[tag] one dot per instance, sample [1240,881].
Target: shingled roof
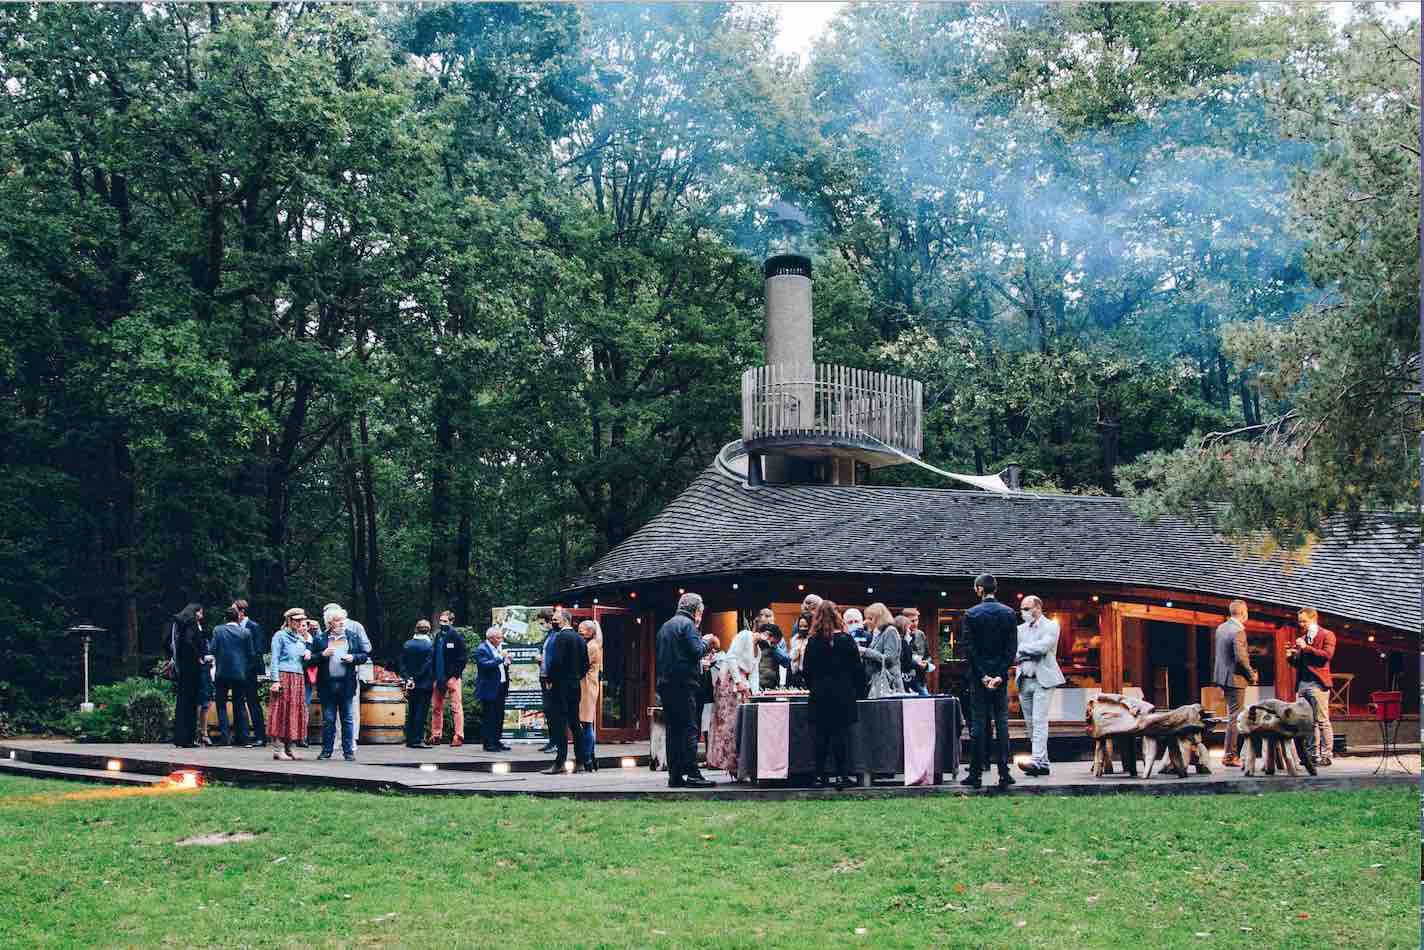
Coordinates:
[721,526]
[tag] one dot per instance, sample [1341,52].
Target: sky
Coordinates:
[801,23]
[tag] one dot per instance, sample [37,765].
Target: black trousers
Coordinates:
[185,710]
[990,710]
[235,689]
[561,711]
[417,713]
[833,742]
[682,723]
[492,720]
[255,717]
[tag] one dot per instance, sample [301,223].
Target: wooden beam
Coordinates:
[1110,652]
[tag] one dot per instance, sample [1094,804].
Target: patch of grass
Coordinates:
[332,868]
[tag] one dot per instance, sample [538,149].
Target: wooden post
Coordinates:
[1285,676]
[1193,683]
[1110,653]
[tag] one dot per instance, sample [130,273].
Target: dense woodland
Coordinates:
[424,306]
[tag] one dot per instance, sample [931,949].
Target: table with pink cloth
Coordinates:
[914,738]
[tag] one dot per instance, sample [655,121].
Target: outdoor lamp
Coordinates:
[86,631]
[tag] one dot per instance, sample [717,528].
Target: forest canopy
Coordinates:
[415,307]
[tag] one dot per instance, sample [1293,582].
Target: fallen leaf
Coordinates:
[859,931]
[1302,916]
[1092,898]
[1020,923]
[1201,933]
[958,888]
[708,837]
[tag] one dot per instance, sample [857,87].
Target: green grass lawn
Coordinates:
[83,866]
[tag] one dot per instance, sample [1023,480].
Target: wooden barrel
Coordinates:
[314,722]
[382,714]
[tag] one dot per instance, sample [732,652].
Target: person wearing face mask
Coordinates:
[1037,661]
[1311,655]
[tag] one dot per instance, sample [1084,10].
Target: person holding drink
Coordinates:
[287,709]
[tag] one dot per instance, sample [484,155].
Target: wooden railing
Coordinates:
[787,400]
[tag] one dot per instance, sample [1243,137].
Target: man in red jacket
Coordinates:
[1311,655]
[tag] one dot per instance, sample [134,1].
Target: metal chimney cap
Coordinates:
[787,265]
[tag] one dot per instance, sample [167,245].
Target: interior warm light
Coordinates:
[595,600]
[186,778]
[800,586]
[629,762]
[942,593]
[1371,638]
[500,768]
[682,590]
[568,766]
[114,765]
[1095,598]
[633,595]
[428,766]
[870,590]
[1019,596]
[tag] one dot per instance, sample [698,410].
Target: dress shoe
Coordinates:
[556,769]
[324,755]
[677,783]
[255,744]
[697,781]
[1005,780]
[847,782]
[972,781]
[425,745]
[349,758]
[1028,768]
[490,748]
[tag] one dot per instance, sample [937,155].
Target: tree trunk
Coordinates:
[437,592]
[125,546]
[375,615]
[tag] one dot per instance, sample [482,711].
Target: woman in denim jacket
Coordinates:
[287,710]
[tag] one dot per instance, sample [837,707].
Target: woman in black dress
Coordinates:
[189,649]
[833,672]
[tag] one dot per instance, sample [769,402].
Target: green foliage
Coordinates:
[1342,429]
[137,709]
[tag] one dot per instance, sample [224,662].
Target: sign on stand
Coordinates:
[524,636]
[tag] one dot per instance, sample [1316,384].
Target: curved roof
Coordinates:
[720,525]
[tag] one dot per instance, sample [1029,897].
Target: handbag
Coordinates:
[168,669]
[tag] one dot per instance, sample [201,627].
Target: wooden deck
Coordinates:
[464,772]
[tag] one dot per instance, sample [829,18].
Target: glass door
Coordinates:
[623,711]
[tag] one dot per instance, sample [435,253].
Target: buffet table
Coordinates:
[912,736]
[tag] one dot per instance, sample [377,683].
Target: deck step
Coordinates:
[36,770]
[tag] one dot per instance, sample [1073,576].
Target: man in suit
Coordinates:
[1311,655]
[1038,673]
[256,665]
[417,668]
[917,672]
[1232,671]
[990,638]
[340,649]
[566,663]
[451,657]
[679,665]
[546,619]
[492,688]
[232,654]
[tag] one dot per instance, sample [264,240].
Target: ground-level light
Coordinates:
[568,766]
[628,762]
[186,778]
[114,765]
[500,768]
[428,766]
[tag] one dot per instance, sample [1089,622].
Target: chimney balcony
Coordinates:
[820,409]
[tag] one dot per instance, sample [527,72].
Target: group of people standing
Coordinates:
[220,665]
[839,658]
[571,664]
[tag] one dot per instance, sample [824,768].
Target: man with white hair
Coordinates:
[1038,674]
[492,688]
[679,667]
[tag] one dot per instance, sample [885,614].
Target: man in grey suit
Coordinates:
[1038,672]
[1232,671]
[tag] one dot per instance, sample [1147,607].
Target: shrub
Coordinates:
[138,709]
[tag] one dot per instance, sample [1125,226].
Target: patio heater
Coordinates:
[87,631]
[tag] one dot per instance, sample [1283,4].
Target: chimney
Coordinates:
[788,309]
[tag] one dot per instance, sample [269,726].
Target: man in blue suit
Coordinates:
[492,686]
[256,665]
[991,633]
[231,646]
[418,670]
